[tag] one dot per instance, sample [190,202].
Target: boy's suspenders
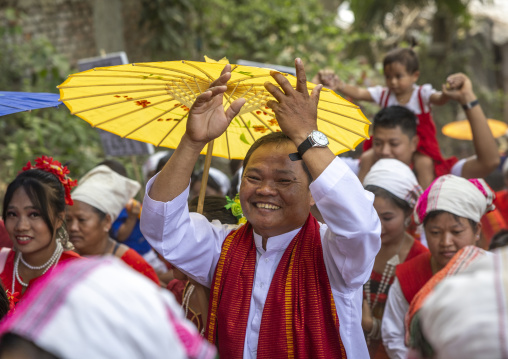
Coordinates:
[383,100]
[420,101]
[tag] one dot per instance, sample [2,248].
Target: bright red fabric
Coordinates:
[138,263]
[6,275]
[413,275]
[299,317]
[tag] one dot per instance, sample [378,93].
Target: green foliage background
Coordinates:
[34,66]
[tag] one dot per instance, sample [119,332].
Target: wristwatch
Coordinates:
[470,105]
[315,139]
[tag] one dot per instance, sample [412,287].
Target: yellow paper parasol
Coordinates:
[149,102]
[461,130]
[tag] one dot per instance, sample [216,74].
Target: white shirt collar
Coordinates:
[276,243]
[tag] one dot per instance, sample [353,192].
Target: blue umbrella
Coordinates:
[12,102]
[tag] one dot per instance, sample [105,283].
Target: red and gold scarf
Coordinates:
[299,317]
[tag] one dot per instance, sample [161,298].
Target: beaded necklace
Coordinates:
[54,259]
[385,280]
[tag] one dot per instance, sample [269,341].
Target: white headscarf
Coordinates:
[105,190]
[468,198]
[101,308]
[395,177]
[467,315]
[221,179]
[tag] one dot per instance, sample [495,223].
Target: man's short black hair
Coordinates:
[396,116]
[277,138]
[404,56]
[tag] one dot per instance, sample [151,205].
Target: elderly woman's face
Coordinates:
[447,234]
[87,231]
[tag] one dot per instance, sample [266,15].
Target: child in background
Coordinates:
[401,70]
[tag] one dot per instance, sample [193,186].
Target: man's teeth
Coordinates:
[266,205]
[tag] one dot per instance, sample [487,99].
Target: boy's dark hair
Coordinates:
[277,138]
[396,116]
[405,56]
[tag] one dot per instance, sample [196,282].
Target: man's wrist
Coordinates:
[299,138]
[195,145]
[467,97]
[470,104]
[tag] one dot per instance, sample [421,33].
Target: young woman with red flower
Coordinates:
[34,216]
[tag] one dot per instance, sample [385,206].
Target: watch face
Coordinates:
[320,138]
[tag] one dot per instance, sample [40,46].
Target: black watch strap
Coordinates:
[295,156]
[470,105]
[304,146]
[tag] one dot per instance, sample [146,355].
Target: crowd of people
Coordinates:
[309,256]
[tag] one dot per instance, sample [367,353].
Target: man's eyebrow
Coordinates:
[278,171]
[287,172]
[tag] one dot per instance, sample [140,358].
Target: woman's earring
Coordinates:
[62,235]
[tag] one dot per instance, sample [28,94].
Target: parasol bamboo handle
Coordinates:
[204,179]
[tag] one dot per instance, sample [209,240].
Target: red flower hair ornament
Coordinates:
[47,164]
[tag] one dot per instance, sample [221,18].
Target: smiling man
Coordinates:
[282,285]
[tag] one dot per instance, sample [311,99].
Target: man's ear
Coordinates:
[414,142]
[312,202]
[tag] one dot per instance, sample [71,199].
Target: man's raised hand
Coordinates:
[295,109]
[207,118]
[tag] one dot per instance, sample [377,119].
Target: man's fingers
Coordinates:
[208,94]
[234,108]
[217,90]
[282,81]
[316,92]
[222,79]
[274,91]
[273,105]
[226,69]
[301,77]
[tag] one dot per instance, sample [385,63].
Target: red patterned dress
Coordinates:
[376,348]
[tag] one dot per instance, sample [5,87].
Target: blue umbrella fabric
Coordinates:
[12,102]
